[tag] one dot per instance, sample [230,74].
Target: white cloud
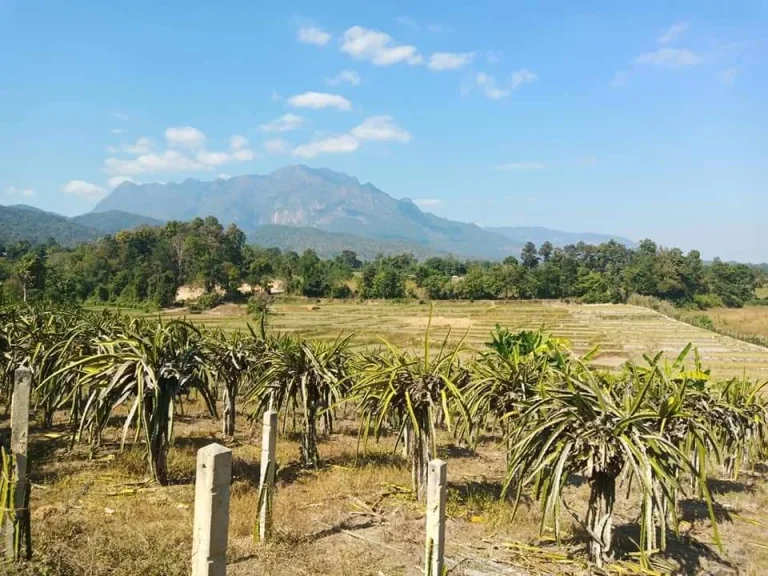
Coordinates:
[142,145]
[439,61]
[244,155]
[522,76]
[116,131]
[490,87]
[729,75]
[672,33]
[184,137]
[312,35]
[286,123]
[119,116]
[84,189]
[224,176]
[381,129]
[277,146]
[333,145]
[669,58]
[14,191]
[213,158]
[168,161]
[521,166]
[378,47]
[319,100]
[426,202]
[344,76]
[238,142]
[115,181]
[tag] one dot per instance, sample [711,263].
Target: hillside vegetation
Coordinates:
[148,265]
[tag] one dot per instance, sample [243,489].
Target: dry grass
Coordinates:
[97,514]
[621,332]
[750,320]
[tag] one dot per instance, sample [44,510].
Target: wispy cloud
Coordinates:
[119,116]
[522,76]
[184,137]
[313,35]
[372,129]
[672,33]
[277,146]
[286,123]
[669,58]
[520,166]
[490,87]
[377,47]
[381,129]
[496,91]
[320,100]
[84,189]
[333,145]
[13,191]
[186,153]
[415,26]
[116,131]
[347,76]
[440,61]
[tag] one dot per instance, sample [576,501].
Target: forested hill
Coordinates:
[113,221]
[21,223]
[25,223]
[330,244]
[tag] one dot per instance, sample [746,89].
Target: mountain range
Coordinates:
[295,207]
[324,200]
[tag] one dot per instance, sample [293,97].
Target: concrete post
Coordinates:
[437,482]
[267,476]
[211,525]
[17,528]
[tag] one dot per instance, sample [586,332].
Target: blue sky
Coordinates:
[640,119]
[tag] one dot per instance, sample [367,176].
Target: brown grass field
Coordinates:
[95,514]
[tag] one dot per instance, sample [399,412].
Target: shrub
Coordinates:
[707,301]
[341,291]
[702,321]
[205,302]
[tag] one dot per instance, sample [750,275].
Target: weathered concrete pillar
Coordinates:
[17,528]
[437,481]
[211,525]
[267,477]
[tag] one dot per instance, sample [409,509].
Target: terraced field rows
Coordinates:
[622,332]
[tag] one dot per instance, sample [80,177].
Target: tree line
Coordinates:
[148,265]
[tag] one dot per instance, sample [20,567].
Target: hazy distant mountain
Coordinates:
[307,197]
[538,235]
[36,226]
[115,220]
[329,244]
